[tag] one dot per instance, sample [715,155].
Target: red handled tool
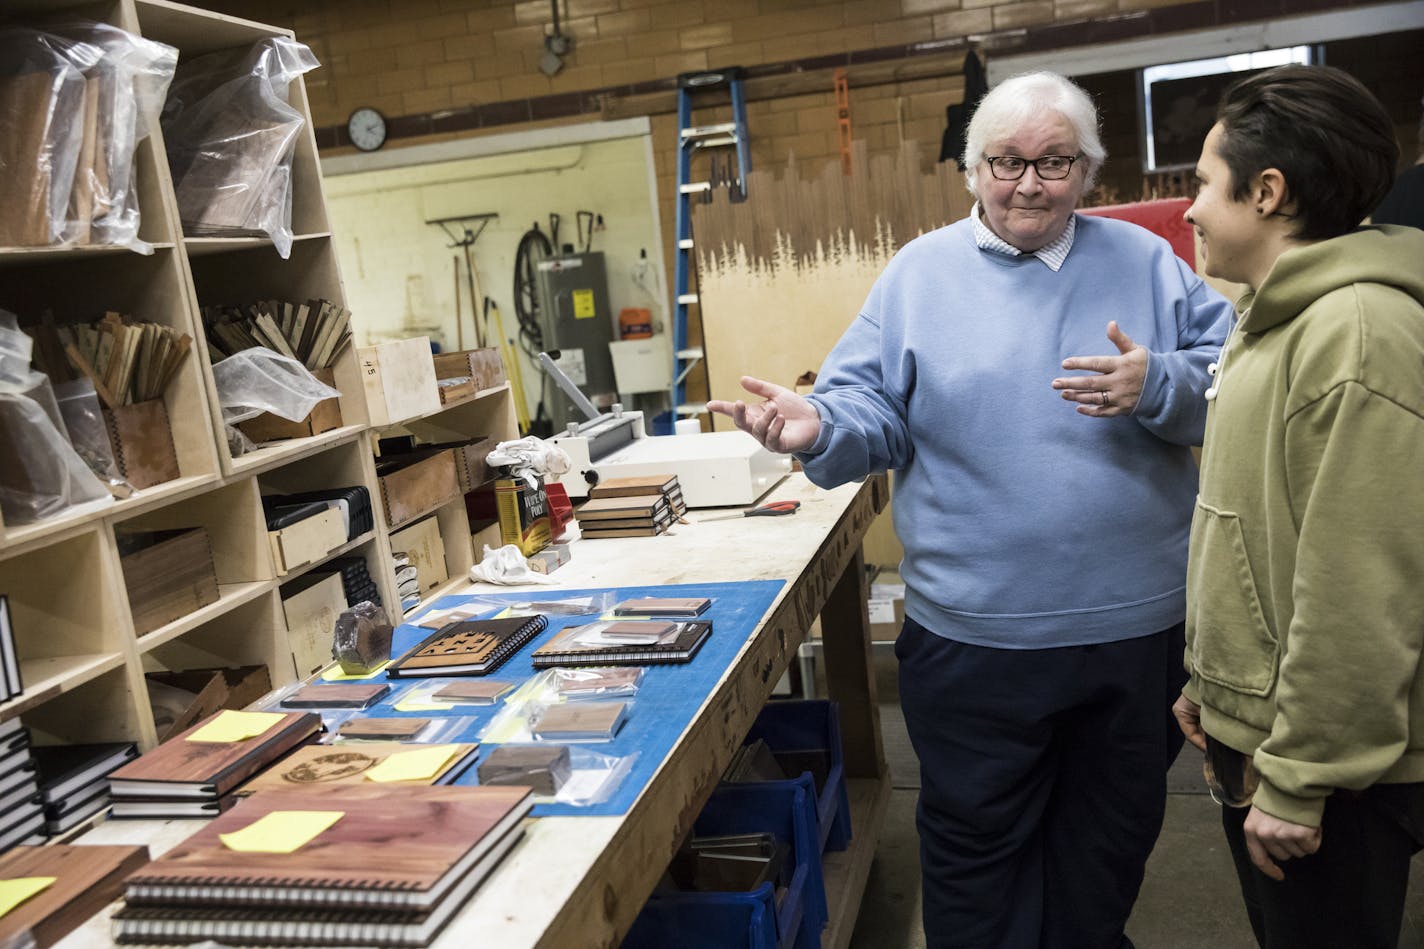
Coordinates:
[774,509]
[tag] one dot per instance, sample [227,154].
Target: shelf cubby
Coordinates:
[97,710]
[252,633]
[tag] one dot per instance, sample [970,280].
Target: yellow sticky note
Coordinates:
[232,726]
[280,831]
[16,891]
[334,674]
[420,765]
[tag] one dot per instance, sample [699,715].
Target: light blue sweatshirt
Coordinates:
[1025,524]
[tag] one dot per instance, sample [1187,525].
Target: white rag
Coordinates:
[505,566]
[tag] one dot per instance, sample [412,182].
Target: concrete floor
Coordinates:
[1189,898]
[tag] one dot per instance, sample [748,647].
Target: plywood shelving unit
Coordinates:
[82,663]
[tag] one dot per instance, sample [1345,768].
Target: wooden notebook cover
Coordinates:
[341,695]
[390,838]
[649,531]
[393,728]
[88,879]
[622,508]
[318,766]
[224,765]
[469,643]
[625,487]
[663,606]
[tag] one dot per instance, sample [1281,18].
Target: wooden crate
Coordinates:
[416,484]
[482,365]
[307,540]
[171,577]
[142,439]
[323,418]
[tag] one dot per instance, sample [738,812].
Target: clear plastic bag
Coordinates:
[259,380]
[434,730]
[231,134]
[42,475]
[124,92]
[531,719]
[42,91]
[84,421]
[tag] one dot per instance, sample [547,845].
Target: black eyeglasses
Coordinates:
[1048,167]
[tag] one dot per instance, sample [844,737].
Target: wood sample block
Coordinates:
[323,418]
[387,729]
[580,720]
[337,695]
[399,380]
[142,439]
[416,484]
[542,767]
[170,577]
[473,691]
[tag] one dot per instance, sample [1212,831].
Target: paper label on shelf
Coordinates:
[280,831]
[230,726]
[882,611]
[583,305]
[16,891]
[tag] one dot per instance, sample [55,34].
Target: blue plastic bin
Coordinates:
[786,809]
[706,921]
[810,725]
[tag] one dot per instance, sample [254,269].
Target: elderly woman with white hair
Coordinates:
[1045,551]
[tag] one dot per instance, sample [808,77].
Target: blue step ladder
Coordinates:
[692,139]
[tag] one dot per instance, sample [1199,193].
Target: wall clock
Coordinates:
[367,129]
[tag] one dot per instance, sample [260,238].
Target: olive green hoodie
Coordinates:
[1305,584]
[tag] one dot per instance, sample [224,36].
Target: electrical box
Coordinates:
[578,322]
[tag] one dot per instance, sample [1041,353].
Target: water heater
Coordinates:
[576,320]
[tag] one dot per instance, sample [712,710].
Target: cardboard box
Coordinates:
[323,418]
[142,439]
[214,690]
[167,574]
[398,379]
[482,365]
[307,540]
[421,542]
[415,484]
[311,605]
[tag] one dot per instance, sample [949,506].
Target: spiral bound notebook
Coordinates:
[395,848]
[468,648]
[87,879]
[590,644]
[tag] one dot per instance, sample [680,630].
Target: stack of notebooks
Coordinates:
[391,870]
[640,516]
[74,780]
[467,648]
[21,807]
[10,684]
[624,643]
[191,776]
[85,880]
[641,486]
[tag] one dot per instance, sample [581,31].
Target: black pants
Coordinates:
[1348,893]
[1043,784]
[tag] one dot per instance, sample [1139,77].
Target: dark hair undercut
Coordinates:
[1323,130]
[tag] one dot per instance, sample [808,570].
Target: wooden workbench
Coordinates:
[580,881]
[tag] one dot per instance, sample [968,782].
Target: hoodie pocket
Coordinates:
[1230,643]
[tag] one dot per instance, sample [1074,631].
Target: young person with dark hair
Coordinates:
[1305,606]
